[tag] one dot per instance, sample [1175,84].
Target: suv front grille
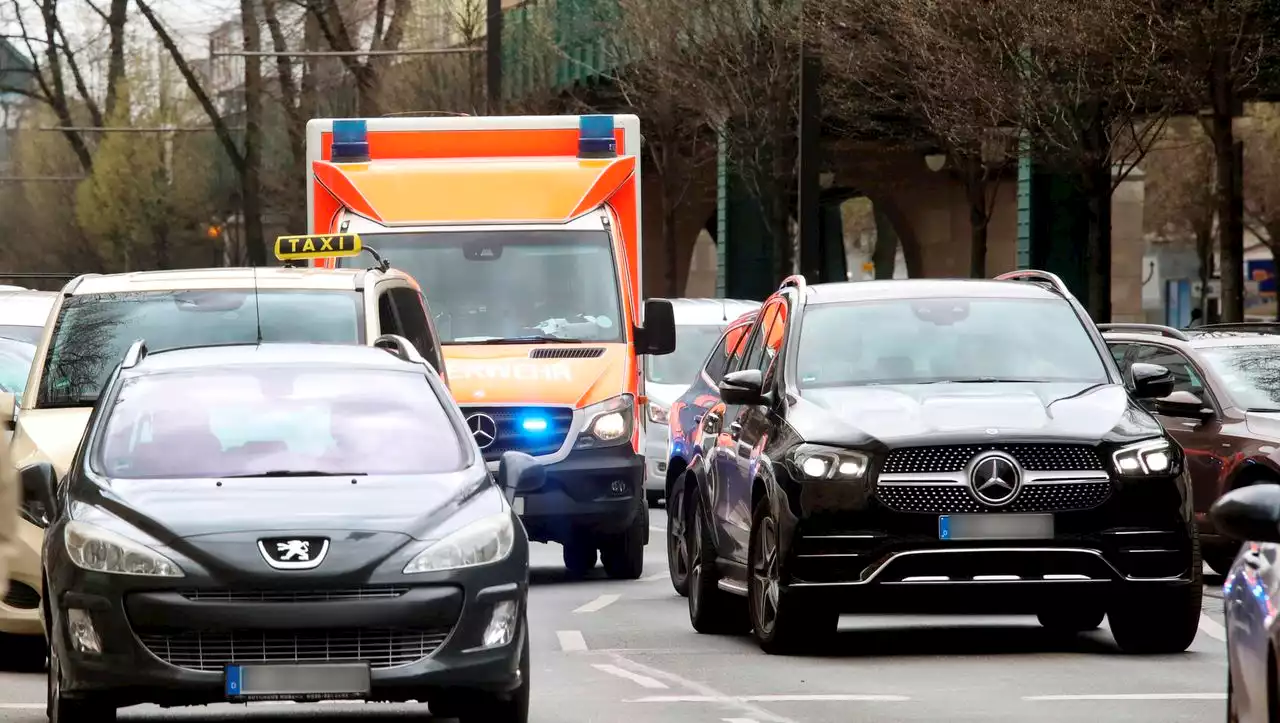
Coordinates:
[513,433]
[1032,457]
[213,650]
[955,498]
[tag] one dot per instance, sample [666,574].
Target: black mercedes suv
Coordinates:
[939,446]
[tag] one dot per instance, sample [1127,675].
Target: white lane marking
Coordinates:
[756,712]
[571,641]
[1212,628]
[768,698]
[737,720]
[656,577]
[598,604]
[1130,696]
[642,680]
[663,530]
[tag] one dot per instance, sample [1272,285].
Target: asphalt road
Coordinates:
[608,651]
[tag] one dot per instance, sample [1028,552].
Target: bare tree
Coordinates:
[341,35]
[1181,198]
[1262,175]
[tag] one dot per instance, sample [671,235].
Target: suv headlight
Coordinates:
[609,422]
[813,462]
[488,539]
[658,414]
[94,548]
[1152,457]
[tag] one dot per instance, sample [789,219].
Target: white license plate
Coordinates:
[337,681]
[995,527]
[518,505]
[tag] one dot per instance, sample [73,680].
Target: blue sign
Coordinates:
[1177,304]
[1262,271]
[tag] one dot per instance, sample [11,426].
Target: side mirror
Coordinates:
[1151,381]
[1249,514]
[658,335]
[518,472]
[8,410]
[38,482]
[1182,404]
[742,387]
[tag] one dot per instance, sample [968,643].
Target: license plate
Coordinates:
[338,681]
[518,505]
[995,527]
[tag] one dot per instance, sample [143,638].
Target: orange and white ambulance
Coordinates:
[524,235]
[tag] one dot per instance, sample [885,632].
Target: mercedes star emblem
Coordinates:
[994,478]
[483,429]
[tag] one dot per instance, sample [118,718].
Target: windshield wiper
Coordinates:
[526,340]
[1264,410]
[296,473]
[985,380]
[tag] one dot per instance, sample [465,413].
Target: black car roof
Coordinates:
[924,289]
[313,356]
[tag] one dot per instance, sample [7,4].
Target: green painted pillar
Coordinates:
[1024,204]
[744,251]
[722,213]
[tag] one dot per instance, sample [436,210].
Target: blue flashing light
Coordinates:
[595,137]
[350,142]
[534,424]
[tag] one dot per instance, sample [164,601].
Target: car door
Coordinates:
[685,416]
[1200,438]
[1250,595]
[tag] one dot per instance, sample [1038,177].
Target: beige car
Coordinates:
[97,317]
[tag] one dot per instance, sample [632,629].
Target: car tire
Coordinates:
[654,498]
[1071,620]
[512,707]
[677,538]
[60,708]
[780,623]
[712,611]
[1221,556]
[623,555]
[1164,619]
[580,555]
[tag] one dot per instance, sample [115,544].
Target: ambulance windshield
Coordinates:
[494,287]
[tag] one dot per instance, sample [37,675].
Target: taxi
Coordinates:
[330,532]
[96,317]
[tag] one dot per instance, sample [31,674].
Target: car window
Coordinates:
[412,313]
[387,321]
[754,357]
[681,365]
[1185,377]
[1250,374]
[93,331]
[719,357]
[1118,352]
[249,422]
[773,342]
[913,341]
[15,365]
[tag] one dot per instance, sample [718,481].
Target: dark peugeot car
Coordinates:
[284,522]
[949,445]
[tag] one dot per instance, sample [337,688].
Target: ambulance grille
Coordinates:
[575,353]
[514,434]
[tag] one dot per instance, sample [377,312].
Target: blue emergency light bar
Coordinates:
[595,137]
[350,142]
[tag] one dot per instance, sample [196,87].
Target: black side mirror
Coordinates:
[1249,514]
[1151,381]
[742,387]
[518,472]
[1183,404]
[658,335]
[38,482]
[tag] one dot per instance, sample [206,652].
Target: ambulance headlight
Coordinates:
[608,423]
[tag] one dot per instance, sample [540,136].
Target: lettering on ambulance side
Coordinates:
[519,372]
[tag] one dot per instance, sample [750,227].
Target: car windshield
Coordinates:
[693,344]
[15,364]
[1251,374]
[30,334]
[274,421]
[95,330]
[495,286]
[915,341]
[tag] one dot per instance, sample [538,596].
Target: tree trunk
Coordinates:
[976,191]
[669,203]
[1227,160]
[1096,184]
[1204,254]
[250,180]
[885,255]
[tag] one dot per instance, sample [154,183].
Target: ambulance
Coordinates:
[524,235]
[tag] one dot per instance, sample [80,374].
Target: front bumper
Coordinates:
[20,606]
[591,492]
[169,645]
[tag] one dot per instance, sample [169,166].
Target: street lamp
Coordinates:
[935,161]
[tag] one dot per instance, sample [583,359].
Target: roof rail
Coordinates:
[795,281]
[1136,328]
[401,347]
[1035,275]
[136,353]
[1262,327]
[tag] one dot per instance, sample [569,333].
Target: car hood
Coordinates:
[168,510]
[505,373]
[49,435]
[943,413]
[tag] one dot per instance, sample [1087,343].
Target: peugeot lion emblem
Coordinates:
[294,553]
[994,478]
[483,429]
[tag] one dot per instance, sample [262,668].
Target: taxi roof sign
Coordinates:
[318,246]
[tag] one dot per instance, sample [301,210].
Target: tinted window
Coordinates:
[1185,377]
[773,342]
[95,330]
[505,284]
[681,366]
[758,347]
[15,364]
[1118,352]
[21,333]
[1251,374]
[719,356]
[413,321]
[252,421]
[910,341]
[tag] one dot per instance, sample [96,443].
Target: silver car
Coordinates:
[699,323]
[1252,601]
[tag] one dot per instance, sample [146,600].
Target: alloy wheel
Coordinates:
[764,570]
